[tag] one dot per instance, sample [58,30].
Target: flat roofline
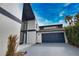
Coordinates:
[52,25]
[51,30]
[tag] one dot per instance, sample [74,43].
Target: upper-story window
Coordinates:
[51,27]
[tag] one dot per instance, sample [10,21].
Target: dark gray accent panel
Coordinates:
[27,12]
[6,13]
[53,38]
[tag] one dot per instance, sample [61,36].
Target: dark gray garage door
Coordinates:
[53,38]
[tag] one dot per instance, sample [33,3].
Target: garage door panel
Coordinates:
[53,38]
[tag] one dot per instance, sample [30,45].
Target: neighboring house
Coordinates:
[27,29]
[51,34]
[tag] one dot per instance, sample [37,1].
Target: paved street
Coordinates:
[52,49]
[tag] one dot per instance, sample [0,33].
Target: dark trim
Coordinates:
[27,30]
[6,13]
[51,31]
[31,30]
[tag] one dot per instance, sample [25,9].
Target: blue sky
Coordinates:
[53,13]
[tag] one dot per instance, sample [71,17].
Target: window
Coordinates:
[23,34]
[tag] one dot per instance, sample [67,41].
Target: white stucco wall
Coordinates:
[36,25]
[66,41]
[31,37]
[7,27]
[39,37]
[13,8]
[31,25]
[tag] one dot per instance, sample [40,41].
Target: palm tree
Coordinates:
[76,20]
[77,17]
[68,19]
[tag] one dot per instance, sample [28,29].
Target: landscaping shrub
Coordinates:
[11,51]
[72,33]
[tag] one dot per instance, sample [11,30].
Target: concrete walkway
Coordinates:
[52,49]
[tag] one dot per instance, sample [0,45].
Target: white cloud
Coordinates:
[62,22]
[42,21]
[61,13]
[67,4]
[39,20]
[46,21]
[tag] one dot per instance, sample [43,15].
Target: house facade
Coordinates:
[26,27]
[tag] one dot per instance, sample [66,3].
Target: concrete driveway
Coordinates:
[52,49]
